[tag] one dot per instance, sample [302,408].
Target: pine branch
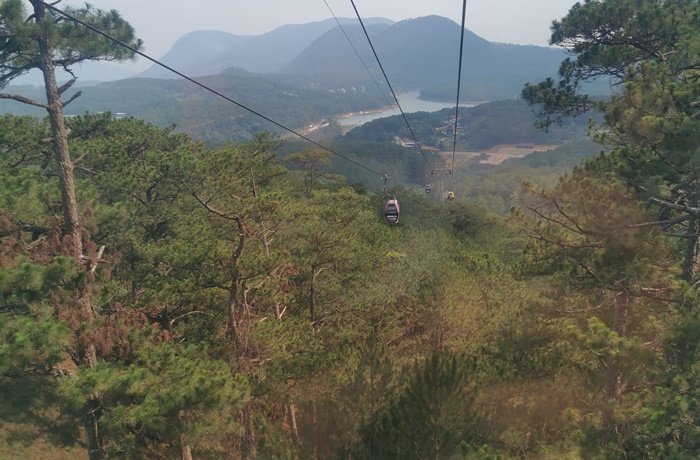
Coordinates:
[23,100]
[665,223]
[13,72]
[35,229]
[208,207]
[74,97]
[695,212]
[185,315]
[65,87]
[97,259]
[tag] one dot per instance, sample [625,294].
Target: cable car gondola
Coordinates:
[391,211]
[450,196]
[428,189]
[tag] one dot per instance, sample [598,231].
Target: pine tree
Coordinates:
[44,40]
[432,415]
[650,51]
[608,269]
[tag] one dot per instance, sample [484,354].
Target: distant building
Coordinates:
[448,129]
[405,142]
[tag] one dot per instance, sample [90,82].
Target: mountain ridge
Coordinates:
[423,53]
[263,54]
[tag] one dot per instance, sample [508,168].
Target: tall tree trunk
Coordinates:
[60,142]
[93,405]
[312,293]
[436,447]
[92,413]
[293,427]
[292,414]
[72,226]
[614,376]
[691,260]
[232,319]
[250,444]
[312,300]
[233,290]
[314,424]
[185,451]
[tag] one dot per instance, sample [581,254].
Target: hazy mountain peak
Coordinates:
[193,50]
[424,53]
[265,53]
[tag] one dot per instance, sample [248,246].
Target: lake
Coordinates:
[409,103]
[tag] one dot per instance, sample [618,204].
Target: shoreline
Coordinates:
[461,104]
[364,112]
[411,101]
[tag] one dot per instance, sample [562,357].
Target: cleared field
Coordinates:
[499,153]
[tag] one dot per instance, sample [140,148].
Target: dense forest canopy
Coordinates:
[479,127]
[161,297]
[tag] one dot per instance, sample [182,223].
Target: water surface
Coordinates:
[409,103]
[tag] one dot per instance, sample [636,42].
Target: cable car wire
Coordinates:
[360,57]
[201,85]
[389,84]
[459,81]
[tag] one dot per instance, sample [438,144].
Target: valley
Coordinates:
[226,266]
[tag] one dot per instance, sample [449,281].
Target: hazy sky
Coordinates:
[161,22]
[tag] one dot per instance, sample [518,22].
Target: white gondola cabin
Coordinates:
[391,211]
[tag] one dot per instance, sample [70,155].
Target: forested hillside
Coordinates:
[165,298]
[479,127]
[203,115]
[419,54]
